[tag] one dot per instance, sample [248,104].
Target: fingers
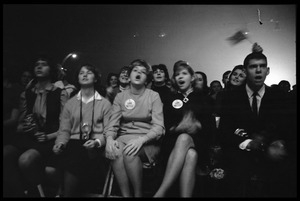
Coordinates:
[131,149]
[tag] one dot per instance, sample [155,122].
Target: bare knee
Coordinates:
[184,140]
[28,158]
[191,156]
[128,159]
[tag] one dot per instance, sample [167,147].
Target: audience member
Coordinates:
[112,86]
[161,80]
[285,86]
[225,78]
[62,81]
[254,133]
[135,127]
[80,141]
[201,82]
[25,158]
[188,124]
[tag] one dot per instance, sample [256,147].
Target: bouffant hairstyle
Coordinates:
[140,62]
[178,66]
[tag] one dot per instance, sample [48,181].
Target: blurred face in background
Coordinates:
[238,77]
[225,78]
[42,69]
[113,81]
[25,78]
[199,81]
[124,78]
[215,87]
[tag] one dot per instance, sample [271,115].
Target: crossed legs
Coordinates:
[181,164]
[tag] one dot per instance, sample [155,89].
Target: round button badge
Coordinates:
[129,104]
[177,103]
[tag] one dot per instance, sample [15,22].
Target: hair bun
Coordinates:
[257,48]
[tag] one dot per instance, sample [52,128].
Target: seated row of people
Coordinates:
[132,124]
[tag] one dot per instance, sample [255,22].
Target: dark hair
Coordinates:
[164,68]
[205,85]
[53,68]
[126,68]
[178,65]
[254,55]
[241,67]
[141,62]
[109,77]
[226,73]
[97,85]
[215,81]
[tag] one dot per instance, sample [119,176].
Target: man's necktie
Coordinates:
[254,103]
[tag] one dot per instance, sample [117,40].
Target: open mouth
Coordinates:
[138,77]
[258,77]
[181,82]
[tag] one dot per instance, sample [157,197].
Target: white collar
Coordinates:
[97,97]
[260,92]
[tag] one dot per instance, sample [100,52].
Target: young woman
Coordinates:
[135,127]
[80,141]
[112,86]
[25,158]
[188,123]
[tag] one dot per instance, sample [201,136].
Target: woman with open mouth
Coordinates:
[188,123]
[135,127]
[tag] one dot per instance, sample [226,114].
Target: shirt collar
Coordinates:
[49,87]
[97,97]
[260,92]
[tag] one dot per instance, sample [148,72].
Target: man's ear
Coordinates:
[268,72]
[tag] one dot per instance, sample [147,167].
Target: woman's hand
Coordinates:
[41,136]
[111,148]
[133,146]
[58,148]
[90,144]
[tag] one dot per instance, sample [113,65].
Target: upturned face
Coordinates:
[138,75]
[257,72]
[238,77]
[42,69]
[183,79]
[86,77]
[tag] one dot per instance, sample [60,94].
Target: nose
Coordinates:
[258,69]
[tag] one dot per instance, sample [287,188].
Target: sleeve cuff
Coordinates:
[244,144]
[99,143]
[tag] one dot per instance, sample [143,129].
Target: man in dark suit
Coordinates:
[254,129]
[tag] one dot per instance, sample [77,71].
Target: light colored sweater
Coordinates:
[70,118]
[137,114]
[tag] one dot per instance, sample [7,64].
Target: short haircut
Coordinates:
[162,67]
[254,55]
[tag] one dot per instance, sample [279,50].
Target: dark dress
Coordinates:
[199,105]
